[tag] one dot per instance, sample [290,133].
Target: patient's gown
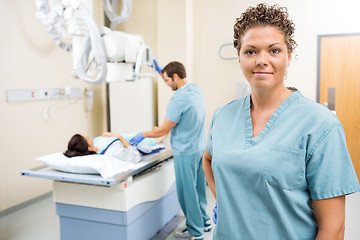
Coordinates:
[113,147]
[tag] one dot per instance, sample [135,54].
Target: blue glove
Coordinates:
[136,139]
[157,67]
[215,213]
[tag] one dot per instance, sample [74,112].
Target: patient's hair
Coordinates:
[263,15]
[78,146]
[175,67]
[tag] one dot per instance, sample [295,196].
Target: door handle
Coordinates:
[331,98]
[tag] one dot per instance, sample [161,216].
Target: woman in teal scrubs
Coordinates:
[276,161]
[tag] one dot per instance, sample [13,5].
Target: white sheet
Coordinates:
[106,166]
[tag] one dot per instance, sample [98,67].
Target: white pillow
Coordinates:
[106,166]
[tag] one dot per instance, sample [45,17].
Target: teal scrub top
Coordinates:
[187,109]
[265,184]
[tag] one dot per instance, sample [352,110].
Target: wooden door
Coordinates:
[340,69]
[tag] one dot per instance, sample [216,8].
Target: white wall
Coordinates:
[29,59]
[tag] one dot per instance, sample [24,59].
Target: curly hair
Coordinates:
[265,15]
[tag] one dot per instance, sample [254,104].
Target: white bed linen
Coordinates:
[117,150]
[104,165]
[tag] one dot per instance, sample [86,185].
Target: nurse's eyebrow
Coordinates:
[251,46]
[271,45]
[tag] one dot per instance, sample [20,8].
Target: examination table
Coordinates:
[133,205]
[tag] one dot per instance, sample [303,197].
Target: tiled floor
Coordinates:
[39,221]
[36,221]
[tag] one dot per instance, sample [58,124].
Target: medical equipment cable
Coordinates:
[54,103]
[110,13]
[91,63]
[94,41]
[54,22]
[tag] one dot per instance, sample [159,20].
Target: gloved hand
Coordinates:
[136,139]
[157,67]
[215,213]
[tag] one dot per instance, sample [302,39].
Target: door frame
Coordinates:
[319,57]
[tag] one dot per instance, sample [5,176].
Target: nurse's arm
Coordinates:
[330,215]
[162,130]
[208,171]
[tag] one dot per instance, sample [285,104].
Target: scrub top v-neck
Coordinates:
[264,184]
[252,141]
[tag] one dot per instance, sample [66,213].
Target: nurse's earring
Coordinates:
[285,76]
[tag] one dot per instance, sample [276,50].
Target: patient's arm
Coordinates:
[122,140]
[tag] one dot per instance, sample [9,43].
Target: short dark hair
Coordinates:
[264,15]
[175,67]
[78,146]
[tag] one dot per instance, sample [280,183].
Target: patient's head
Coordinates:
[80,145]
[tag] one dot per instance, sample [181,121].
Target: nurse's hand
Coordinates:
[215,213]
[157,67]
[137,139]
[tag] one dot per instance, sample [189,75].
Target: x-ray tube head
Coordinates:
[122,47]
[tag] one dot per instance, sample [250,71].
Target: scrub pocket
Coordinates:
[285,167]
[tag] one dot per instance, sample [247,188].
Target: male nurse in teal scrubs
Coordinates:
[185,119]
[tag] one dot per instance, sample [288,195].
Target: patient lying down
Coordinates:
[111,144]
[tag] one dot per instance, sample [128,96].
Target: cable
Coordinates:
[54,22]
[110,13]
